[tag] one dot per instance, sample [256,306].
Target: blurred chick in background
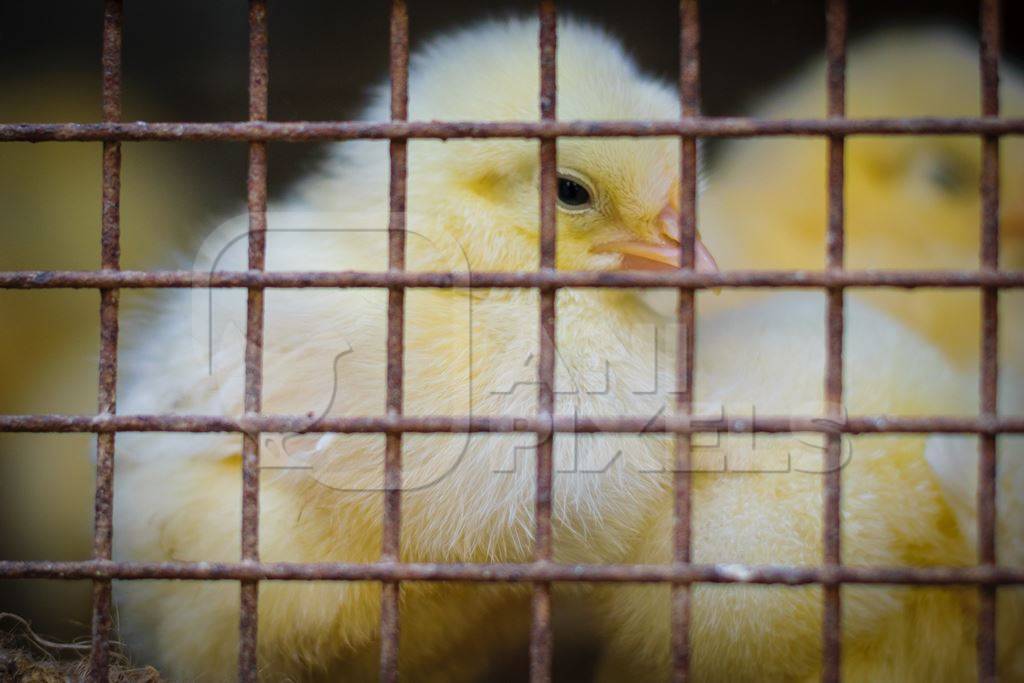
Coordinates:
[911,201]
[50,194]
[473,205]
[759,501]
[907,500]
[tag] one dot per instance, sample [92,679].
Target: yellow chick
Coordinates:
[472,205]
[759,501]
[911,202]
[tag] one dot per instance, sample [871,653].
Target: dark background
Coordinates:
[187,61]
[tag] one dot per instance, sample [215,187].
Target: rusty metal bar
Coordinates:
[991,38]
[804,279]
[540,630]
[427,424]
[689,105]
[110,257]
[256,187]
[305,131]
[835,21]
[522,573]
[392,521]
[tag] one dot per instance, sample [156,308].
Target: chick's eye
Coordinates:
[571,194]
[948,176]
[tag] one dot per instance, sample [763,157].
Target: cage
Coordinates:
[541,573]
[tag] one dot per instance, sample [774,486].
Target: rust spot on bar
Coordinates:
[392,521]
[256,190]
[836,28]
[110,255]
[991,38]
[540,632]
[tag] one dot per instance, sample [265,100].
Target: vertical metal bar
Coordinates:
[836,28]
[989,377]
[540,633]
[256,187]
[110,255]
[392,530]
[689,99]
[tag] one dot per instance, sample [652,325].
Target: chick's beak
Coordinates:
[662,254]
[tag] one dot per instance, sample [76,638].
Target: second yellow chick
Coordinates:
[912,202]
[757,500]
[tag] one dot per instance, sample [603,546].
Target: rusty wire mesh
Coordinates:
[681,573]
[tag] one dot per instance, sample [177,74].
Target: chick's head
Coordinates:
[912,202]
[915,200]
[617,199]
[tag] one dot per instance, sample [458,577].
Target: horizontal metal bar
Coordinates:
[524,572]
[427,424]
[128,279]
[303,131]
